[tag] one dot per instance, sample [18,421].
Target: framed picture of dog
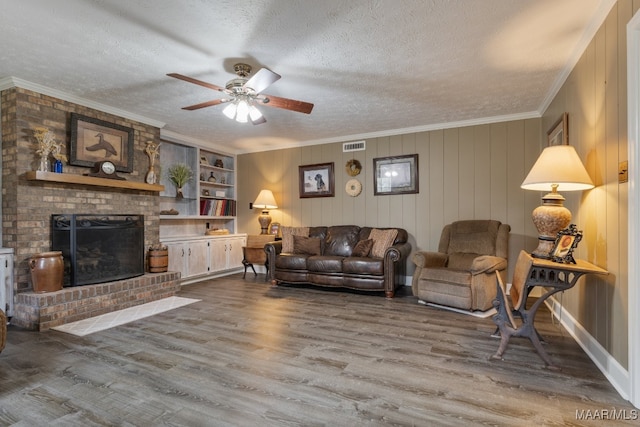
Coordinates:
[316,180]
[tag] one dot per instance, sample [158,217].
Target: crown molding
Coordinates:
[402,131]
[10,82]
[587,36]
[183,139]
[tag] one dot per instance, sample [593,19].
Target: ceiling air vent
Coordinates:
[353,146]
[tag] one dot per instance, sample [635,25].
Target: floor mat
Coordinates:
[120,317]
[482,314]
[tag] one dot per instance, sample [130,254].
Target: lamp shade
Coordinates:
[265,200]
[558,165]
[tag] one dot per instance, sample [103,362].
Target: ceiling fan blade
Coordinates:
[262,80]
[196,81]
[205,104]
[288,104]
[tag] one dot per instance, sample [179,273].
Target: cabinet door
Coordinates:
[235,252]
[219,254]
[177,260]
[197,258]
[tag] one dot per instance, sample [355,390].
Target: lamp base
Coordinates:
[264,219]
[549,218]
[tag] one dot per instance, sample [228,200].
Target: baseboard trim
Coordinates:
[617,375]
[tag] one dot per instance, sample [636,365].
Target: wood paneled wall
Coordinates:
[472,172]
[476,172]
[595,96]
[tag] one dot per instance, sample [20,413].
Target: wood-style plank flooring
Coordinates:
[252,355]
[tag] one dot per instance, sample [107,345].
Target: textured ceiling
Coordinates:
[370,67]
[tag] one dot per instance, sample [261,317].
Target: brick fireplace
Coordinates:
[27,205]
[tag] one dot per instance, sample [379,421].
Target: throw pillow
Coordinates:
[362,248]
[382,240]
[287,236]
[306,245]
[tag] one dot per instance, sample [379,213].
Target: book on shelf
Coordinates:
[217,207]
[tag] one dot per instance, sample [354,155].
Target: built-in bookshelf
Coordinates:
[209,199]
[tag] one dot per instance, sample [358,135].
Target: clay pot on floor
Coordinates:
[47,271]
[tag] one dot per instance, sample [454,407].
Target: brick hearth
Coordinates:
[41,311]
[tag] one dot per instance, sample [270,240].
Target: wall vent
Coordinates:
[353,146]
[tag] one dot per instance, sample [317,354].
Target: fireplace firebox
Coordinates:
[99,248]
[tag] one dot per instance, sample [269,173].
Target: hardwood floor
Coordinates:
[252,355]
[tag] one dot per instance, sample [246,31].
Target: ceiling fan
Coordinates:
[244,93]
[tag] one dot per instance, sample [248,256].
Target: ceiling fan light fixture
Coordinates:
[230,110]
[254,113]
[242,112]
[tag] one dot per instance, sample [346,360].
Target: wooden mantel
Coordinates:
[89,180]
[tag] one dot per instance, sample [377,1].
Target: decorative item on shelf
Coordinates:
[47,146]
[211,178]
[205,192]
[180,174]
[158,258]
[202,176]
[566,242]
[353,187]
[171,211]
[219,163]
[353,167]
[217,232]
[204,161]
[558,167]
[264,201]
[152,149]
[223,180]
[104,169]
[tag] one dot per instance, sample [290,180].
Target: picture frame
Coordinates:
[93,140]
[559,132]
[566,242]
[316,180]
[395,175]
[274,229]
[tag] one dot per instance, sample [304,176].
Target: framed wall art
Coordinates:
[316,180]
[395,175]
[94,140]
[565,244]
[559,132]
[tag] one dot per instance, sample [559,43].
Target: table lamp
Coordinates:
[558,167]
[264,201]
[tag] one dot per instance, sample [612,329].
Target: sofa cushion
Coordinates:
[306,245]
[325,263]
[382,240]
[362,248]
[359,265]
[288,261]
[287,236]
[341,240]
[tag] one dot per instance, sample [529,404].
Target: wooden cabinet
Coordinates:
[226,253]
[6,281]
[190,258]
[198,258]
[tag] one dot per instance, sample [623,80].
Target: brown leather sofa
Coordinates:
[325,257]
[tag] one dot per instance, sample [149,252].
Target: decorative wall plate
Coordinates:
[353,187]
[353,167]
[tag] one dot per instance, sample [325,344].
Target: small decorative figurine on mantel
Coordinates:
[152,149]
